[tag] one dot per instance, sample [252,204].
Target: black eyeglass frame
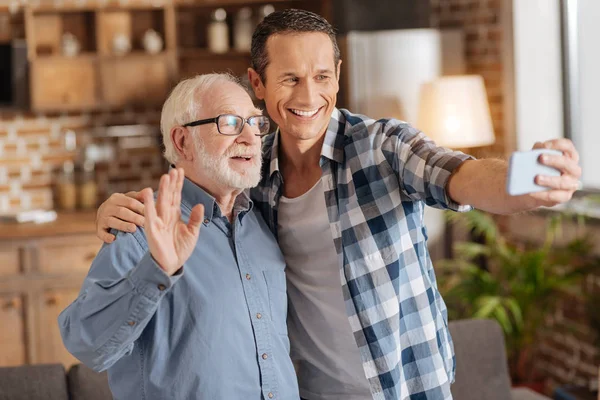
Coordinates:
[216,121]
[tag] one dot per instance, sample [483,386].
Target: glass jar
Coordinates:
[243,28]
[66,190]
[87,189]
[218,32]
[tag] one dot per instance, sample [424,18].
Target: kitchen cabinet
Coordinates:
[42,269]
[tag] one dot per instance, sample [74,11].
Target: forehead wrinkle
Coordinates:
[228,109]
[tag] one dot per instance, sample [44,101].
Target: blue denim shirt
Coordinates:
[215,330]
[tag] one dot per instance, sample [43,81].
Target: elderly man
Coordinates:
[344,195]
[177,315]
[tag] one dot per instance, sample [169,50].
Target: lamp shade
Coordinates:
[454,112]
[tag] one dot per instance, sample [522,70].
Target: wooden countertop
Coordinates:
[66,223]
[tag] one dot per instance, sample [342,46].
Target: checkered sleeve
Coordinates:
[423,168]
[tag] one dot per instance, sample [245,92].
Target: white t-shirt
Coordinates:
[322,343]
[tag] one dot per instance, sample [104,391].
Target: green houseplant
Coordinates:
[519,286]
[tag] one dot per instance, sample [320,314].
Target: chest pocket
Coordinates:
[278,301]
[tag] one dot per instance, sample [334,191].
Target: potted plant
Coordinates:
[519,285]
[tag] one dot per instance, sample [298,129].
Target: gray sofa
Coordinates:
[481,368]
[481,372]
[51,382]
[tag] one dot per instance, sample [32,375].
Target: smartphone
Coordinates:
[523,167]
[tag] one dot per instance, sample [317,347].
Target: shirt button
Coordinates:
[161,287]
[248,276]
[259,315]
[131,323]
[206,221]
[270,395]
[265,356]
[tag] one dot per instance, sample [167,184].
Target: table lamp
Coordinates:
[454,112]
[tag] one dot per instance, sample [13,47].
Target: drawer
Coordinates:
[10,261]
[12,340]
[68,255]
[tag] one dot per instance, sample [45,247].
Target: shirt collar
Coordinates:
[333,144]
[192,194]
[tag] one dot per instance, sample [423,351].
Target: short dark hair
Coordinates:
[287,21]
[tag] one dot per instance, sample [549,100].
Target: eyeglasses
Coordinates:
[232,125]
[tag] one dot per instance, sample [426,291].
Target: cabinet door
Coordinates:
[12,334]
[60,83]
[135,80]
[50,345]
[73,256]
[10,263]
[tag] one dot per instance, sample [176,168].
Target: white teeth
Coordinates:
[304,113]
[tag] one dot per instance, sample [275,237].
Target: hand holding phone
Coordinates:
[523,167]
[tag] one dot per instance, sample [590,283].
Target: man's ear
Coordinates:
[257,84]
[339,70]
[182,142]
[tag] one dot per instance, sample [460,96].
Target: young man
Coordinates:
[344,195]
[175,316]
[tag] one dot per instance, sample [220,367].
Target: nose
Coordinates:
[248,135]
[307,92]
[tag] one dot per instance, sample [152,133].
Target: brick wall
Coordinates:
[32,153]
[480,20]
[569,351]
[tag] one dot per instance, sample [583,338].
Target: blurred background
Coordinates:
[81,87]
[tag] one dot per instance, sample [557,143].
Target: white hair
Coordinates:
[183,104]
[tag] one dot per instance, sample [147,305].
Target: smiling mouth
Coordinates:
[304,113]
[242,158]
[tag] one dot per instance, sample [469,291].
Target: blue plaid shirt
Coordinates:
[378,176]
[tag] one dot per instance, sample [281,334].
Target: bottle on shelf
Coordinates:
[87,190]
[67,194]
[70,45]
[243,28]
[218,32]
[121,44]
[66,189]
[263,11]
[153,43]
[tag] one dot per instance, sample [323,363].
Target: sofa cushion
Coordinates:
[481,367]
[33,382]
[85,384]
[526,394]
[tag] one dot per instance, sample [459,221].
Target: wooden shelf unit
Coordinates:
[99,79]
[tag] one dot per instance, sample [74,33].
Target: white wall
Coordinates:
[386,70]
[537,71]
[589,91]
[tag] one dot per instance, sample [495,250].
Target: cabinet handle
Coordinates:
[51,301]
[10,304]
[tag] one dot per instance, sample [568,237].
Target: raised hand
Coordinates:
[170,240]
